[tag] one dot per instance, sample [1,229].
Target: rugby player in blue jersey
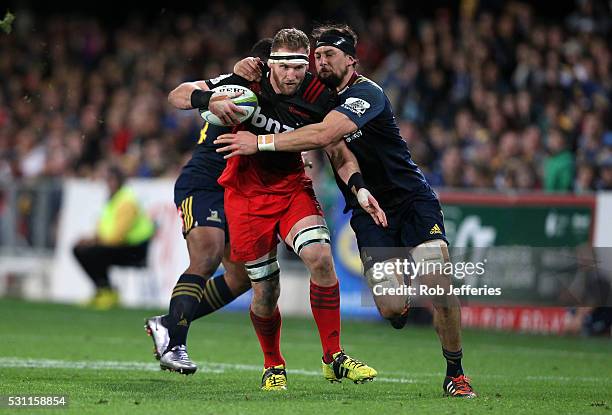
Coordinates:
[199,199]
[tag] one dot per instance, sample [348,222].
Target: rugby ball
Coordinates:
[247,100]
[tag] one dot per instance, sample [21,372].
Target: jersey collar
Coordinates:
[350,82]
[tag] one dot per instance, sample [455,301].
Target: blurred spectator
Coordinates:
[559,166]
[585,178]
[605,167]
[479,176]
[452,168]
[476,93]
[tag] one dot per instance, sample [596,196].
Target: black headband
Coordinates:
[336,40]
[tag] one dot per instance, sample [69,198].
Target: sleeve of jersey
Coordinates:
[361,103]
[226,79]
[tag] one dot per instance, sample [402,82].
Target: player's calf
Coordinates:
[447,317]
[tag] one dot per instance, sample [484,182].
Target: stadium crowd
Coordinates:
[504,100]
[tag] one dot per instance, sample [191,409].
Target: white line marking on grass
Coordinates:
[569,379]
[17,362]
[230,366]
[65,364]
[212,367]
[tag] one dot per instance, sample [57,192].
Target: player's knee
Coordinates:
[263,275]
[204,265]
[265,297]
[204,262]
[390,311]
[206,249]
[313,246]
[392,306]
[318,259]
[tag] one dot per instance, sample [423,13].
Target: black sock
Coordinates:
[184,302]
[453,362]
[216,295]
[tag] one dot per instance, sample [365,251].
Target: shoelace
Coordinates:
[352,363]
[276,379]
[462,383]
[181,353]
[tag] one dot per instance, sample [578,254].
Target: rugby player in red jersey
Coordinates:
[269,195]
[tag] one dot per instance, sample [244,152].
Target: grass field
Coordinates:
[102,361]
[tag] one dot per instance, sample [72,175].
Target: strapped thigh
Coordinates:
[265,269]
[310,235]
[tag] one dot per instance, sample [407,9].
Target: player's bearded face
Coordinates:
[332,65]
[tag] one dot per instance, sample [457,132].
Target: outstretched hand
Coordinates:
[243,143]
[370,205]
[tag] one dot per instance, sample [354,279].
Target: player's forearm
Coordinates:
[343,161]
[180,97]
[331,130]
[346,170]
[309,137]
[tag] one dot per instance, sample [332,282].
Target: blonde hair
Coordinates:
[292,39]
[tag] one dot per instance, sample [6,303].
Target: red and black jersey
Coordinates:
[276,172]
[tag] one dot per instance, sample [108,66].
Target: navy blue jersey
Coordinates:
[383,156]
[206,165]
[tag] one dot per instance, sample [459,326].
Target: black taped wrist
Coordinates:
[200,98]
[356,180]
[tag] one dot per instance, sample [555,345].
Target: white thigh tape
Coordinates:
[430,252]
[264,270]
[310,235]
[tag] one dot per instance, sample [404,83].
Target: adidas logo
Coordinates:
[182,322]
[435,229]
